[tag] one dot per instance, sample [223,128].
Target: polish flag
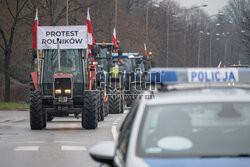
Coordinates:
[114,40]
[220,65]
[91,40]
[146,52]
[34,31]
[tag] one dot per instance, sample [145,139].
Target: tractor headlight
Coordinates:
[58,91]
[67,91]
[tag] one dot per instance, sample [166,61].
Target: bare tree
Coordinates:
[238,11]
[11,12]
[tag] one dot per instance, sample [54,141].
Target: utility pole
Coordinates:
[199,51]
[225,52]
[184,48]
[147,24]
[168,26]
[116,8]
[210,50]
[67,12]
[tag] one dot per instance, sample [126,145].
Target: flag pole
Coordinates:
[37,51]
[87,50]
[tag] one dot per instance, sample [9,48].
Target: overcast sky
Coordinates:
[213,5]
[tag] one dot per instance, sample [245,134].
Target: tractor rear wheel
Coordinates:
[90,112]
[98,105]
[102,109]
[114,99]
[37,121]
[134,91]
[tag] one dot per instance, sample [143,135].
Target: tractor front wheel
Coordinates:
[114,100]
[37,121]
[90,113]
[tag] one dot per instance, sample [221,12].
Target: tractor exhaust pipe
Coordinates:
[58,55]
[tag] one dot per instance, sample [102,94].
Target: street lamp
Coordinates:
[147,12]
[168,15]
[210,43]
[185,35]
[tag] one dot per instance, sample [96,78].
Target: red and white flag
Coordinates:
[34,31]
[91,40]
[114,40]
[146,52]
[220,65]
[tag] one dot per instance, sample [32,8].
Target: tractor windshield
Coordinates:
[129,64]
[140,64]
[70,63]
[104,63]
[103,52]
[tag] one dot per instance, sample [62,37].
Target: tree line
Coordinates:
[177,36]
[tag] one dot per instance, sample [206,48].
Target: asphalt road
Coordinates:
[63,143]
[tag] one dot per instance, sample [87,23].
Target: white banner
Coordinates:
[70,37]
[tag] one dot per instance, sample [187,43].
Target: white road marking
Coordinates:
[28,142]
[114,132]
[69,142]
[27,148]
[73,148]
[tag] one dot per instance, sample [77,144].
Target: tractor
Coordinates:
[62,85]
[135,72]
[110,74]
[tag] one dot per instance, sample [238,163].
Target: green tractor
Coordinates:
[135,67]
[112,76]
[62,86]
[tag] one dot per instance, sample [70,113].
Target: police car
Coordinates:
[198,117]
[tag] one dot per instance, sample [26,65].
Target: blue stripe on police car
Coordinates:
[213,75]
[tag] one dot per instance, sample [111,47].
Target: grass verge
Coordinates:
[14,106]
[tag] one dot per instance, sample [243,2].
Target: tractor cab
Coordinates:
[70,63]
[102,53]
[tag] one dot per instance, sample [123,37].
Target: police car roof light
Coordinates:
[198,75]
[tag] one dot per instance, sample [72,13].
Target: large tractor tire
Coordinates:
[114,100]
[102,109]
[122,105]
[50,117]
[37,117]
[134,90]
[90,113]
[98,104]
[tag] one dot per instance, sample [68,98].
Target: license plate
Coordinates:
[63,99]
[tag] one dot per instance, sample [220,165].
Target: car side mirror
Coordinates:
[103,152]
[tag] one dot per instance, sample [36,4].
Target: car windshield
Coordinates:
[195,130]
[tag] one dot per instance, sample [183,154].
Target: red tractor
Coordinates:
[62,86]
